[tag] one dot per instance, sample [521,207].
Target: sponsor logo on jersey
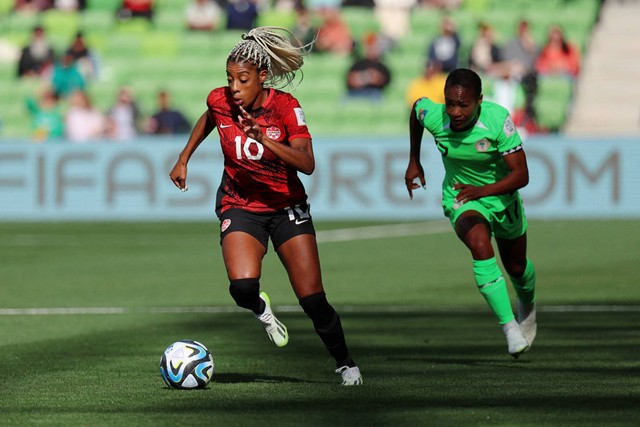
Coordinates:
[482,145]
[509,127]
[225,224]
[300,116]
[273,133]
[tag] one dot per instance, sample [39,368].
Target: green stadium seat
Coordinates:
[553,101]
[61,23]
[95,21]
[106,5]
[160,44]
[361,20]
[6,6]
[21,22]
[277,18]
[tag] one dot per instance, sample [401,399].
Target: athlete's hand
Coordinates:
[179,175]
[249,125]
[467,193]
[414,170]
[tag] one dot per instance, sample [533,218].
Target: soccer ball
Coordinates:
[186,364]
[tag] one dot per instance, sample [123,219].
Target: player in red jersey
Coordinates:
[266,142]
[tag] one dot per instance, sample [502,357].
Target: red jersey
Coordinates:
[254,178]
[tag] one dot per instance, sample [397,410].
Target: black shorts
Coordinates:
[280,226]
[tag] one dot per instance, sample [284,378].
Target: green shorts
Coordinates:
[509,223]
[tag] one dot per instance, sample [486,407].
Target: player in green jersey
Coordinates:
[485,166]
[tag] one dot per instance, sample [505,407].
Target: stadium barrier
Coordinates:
[358,179]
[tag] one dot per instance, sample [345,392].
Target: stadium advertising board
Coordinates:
[354,179]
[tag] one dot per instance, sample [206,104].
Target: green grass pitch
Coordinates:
[429,350]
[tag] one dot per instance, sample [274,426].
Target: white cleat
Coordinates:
[276,331]
[527,320]
[516,341]
[350,376]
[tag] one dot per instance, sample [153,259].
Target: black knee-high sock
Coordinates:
[328,327]
[246,293]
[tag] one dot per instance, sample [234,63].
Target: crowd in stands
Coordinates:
[63,108]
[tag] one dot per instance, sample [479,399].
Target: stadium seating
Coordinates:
[149,57]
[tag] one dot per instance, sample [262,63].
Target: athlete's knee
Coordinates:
[516,268]
[245,292]
[321,313]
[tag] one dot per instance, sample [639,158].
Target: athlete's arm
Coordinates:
[201,130]
[414,170]
[298,154]
[517,178]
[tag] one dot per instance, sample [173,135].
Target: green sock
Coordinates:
[493,288]
[525,286]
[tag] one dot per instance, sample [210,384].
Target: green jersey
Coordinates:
[473,156]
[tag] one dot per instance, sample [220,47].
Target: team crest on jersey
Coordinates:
[225,224]
[273,133]
[509,127]
[482,145]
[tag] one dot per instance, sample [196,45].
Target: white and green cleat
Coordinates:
[276,331]
[350,376]
[527,320]
[516,341]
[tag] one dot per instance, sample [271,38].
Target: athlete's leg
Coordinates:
[299,255]
[521,270]
[523,277]
[475,232]
[243,254]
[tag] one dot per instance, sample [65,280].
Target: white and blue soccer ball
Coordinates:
[186,364]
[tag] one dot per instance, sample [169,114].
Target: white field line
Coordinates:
[342,235]
[325,236]
[293,308]
[383,231]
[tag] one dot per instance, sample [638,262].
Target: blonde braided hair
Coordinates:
[271,48]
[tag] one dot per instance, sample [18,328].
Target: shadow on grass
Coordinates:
[450,367]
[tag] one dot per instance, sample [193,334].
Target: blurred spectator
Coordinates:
[135,9]
[506,91]
[47,117]
[32,6]
[358,3]
[441,4]
[445,47]
[368,76]
[393,17]
[203,15]
[123,116]
[334,35]
[70,5]
[429,85]
[519,55]
[84,57]
[484,57]
[83,122]
[66,77]
[167,120]
[241,14]
[558,56]
[37,56]
[316,5]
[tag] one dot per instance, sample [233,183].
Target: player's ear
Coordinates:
[262,76]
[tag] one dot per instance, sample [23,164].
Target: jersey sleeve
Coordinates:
[426,112]
[508,139]
[294,120]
